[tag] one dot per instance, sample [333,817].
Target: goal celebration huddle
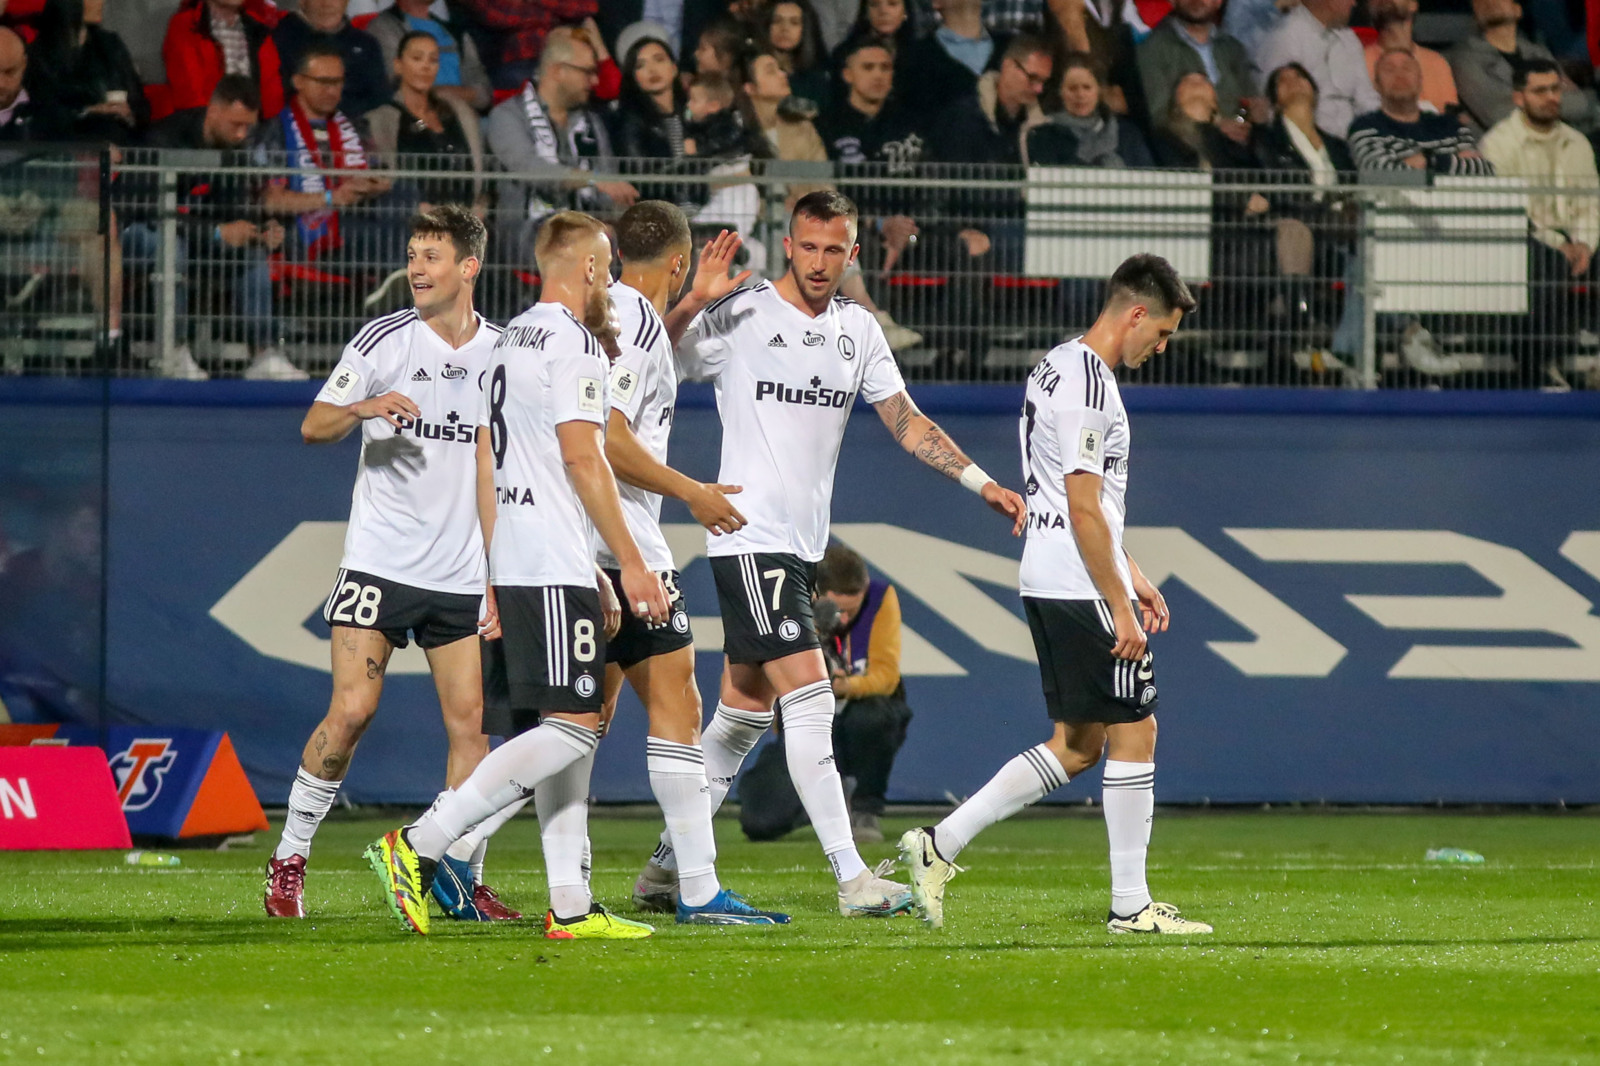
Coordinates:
[506,516]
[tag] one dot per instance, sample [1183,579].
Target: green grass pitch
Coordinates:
[1335,943]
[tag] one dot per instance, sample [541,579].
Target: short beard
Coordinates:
[597,316]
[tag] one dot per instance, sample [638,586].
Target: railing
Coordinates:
[118,266]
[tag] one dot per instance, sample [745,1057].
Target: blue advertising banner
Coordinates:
[1373,601]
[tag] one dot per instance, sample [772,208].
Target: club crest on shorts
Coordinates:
[789,630]
[680,621]
[584,686]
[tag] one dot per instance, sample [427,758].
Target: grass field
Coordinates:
[1335,943]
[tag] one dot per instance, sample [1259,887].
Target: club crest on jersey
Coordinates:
[777,341]
[139,771]
[421,374]
[814,340]
[847,347]
[452,372]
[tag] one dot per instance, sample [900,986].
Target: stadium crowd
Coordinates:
[524,107]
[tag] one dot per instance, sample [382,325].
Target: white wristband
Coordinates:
[974,478]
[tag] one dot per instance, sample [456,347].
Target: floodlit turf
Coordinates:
[1335,943]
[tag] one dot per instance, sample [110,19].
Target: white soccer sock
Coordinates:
[678,778]
[808,742]
[732,735]
[1028,778]
[310,799]
[1129,796]
[472,848]
[506,775]
[563,805]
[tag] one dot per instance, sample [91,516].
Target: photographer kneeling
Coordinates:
[858,622]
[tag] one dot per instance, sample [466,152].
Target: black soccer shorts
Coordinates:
[365,601]
[1083,681]
[765,601]
[551,656]
[638,640]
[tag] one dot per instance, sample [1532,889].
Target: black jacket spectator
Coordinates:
[205,198]
[940,79]
[366,83]
[977,130]
[85,71]
[890,144]
[1061,142]
[1275,151]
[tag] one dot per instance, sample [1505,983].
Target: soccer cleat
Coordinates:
[869,895]
[655,896]
[452,890]
[1156,918]
[406,876]
[286,887]
[598,924]
[930,872]
[727,908]
[488,903]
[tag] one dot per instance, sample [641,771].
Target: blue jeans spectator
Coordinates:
[244,271]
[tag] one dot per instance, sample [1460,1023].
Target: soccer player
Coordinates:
[1083,595]
[789,358]
[414,559]
[545,490]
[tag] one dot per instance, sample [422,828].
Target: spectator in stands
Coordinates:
[21,117]
[1108,30]
[647,121]
[461,71]
[1482,65]
[794,36]
[1085,132]
[721,47]
[885,20]
[1400,135]
[1394,20]
[871,725]
[312,133]
[681,20]
[1189,41]
[512,33]
[1533,143]
[209,38]
[222,237]
[1193,135]
[715,128]
[1317,35]
[948,62]
[1293,141]
[793,139]
[423,129]
[1250,21]
[551,138]
[86,71]
[366,81]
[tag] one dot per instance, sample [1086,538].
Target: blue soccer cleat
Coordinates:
[727,908]
[452,889]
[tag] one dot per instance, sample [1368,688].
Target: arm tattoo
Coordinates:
[898,410]
[940,452]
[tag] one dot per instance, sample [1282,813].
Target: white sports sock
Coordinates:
[732,735]
[507,774]
[563,805]
[1028,778]
[808,742]
[472,847]
[310,799]
[1129,795]
[678,778]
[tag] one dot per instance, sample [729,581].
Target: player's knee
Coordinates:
[350,714]
[1076,755]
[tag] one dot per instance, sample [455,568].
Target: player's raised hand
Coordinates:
[1152,605]
[1131,641]
[489,619]
[711,508]
[711,280]
[391,407]
[647,597]
[1008,503]
[610,607]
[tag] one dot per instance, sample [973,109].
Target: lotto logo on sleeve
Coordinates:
[1089,445]
[589,395]
[345,380]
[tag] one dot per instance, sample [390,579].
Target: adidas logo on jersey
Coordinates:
[421,375]
[777,341]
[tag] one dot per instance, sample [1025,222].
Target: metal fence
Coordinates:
[151,263]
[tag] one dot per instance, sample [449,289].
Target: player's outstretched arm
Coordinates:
[922,437]
[1152,605]
[632,462]
[711,283]
[1093,534]
[592,480]
[329,422]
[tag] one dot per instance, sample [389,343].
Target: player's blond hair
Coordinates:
[559,233]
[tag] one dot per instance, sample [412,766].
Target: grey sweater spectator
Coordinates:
[550,141]
[461,71]
[1482,67]
[1317,35]
[1188,41]
[1401,135]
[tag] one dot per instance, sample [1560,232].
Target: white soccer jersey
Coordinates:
[414,515]
[1072,420]
[644,387]
[785,383]
[547,369]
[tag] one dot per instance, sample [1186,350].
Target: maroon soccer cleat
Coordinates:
[286,887]
[489,905]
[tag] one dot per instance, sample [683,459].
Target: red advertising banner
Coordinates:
[58,797]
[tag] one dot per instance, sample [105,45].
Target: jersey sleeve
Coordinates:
[880,374]
[1081,430]
[703,351]
[631,382]
[356,378]
[577,389]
